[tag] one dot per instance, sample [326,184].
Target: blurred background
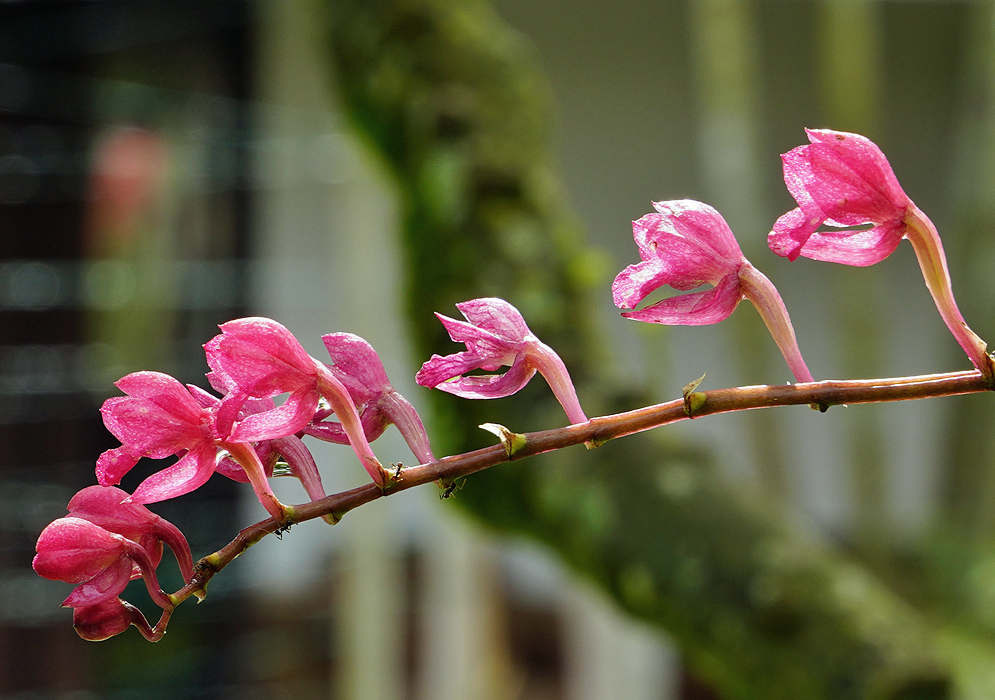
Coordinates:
[165,167]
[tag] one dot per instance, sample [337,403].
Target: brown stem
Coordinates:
[597,430]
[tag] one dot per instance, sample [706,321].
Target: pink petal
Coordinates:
[110,617]
[490,386]
[75,550]
[357,365]
[866,160]
[149,429]
[112,509]
[439,369]
[702,224]
[292,417]
[261,356]
[497,316]
[163,391]
[113,464]
[636,282]
[858,248]
[696,308]
[678,256]
[791,231]
[189,473]
[105,585]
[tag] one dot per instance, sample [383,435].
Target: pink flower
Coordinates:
[844,180]
[111,617]
[259,358]
[289,448]
[113,510]
[160,417]
[356,364]
[101,562]
[106,541]
[495,335]
[687,244]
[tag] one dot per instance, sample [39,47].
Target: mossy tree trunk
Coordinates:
[453,101]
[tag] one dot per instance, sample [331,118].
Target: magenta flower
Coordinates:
[495,335]
[113,510]
[160,417]
[101,562]
[844,180]
[259,358]
[356,364]
[687,244]
[104,542]
[111,617]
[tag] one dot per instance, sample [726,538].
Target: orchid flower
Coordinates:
[160,417]
[115,511]
[496,335]
[106,541]
[111,617]
[259,358]
[844,180]
[685,245]
[101,562]
[357,365]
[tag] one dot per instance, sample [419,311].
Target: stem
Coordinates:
[248,459]
[341,403]
[403,415]
[599,430]
[929,252]
[551,367]
[759,290]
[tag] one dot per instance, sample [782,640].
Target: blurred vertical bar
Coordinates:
[311,277]
[849,71]
[725,74]
[968,498]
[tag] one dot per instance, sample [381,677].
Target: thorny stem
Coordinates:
[598,430]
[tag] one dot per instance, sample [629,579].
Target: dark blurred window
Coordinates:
[124,132]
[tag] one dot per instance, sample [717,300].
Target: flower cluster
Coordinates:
[106,541]
[110,537]
[242,432]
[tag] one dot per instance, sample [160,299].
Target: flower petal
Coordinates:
[497,316]
[357,365]
[260,356]
[75,550]
[113,464]
[439,369]
[107,584]
[189,473]
[289,418]
[791,231]
[858,248]
[696,308]
[494,386]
